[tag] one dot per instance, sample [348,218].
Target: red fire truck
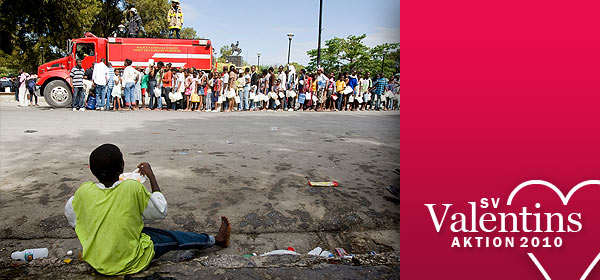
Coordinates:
[181,53]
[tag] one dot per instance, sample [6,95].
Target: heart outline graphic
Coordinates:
[565,201]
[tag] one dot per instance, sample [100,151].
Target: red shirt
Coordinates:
[168,79]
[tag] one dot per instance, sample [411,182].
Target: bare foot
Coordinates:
[222,238]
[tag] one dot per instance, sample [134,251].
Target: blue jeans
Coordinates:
[246,102]
[376,101]
[100,95]
[129,93]
[169,240]
[153,97]
[108,98]
[176,30]
[338,102]
[78,95]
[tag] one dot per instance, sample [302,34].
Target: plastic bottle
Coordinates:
[30,254]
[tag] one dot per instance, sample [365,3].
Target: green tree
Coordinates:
[350,53]
[188,33]
[109,18]
[298,66]
[353,50]
[224,52]
[330,56]
[28,25]
[387,55]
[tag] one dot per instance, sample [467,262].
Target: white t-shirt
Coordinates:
[225,78]
[282,78]
[129,75]
[100,74]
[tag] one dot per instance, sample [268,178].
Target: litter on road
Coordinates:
[323,184]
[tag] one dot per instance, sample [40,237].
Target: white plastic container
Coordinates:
[135,175]
[30,254]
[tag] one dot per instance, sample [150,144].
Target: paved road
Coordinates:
[250,166]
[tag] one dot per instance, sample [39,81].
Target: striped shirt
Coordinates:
[111,77]
[381,85]
[77,76]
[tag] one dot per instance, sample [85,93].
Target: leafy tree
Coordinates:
[346,54]
[298,66]
[109,18]
[28,25]
[353,50]
[224,52]
[330,56]
[188,33]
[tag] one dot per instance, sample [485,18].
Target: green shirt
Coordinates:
[109,227]
[144,83]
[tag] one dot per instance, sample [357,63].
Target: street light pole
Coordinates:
[258,54]
[319,44]
[290,35]
[382,61]
[42,50]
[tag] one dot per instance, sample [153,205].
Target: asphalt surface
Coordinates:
[252,167]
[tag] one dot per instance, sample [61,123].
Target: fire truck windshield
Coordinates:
[84,50]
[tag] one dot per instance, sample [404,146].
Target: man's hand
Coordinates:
[146,169]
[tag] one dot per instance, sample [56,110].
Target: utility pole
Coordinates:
[319,44]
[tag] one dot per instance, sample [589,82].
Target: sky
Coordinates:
[262,25]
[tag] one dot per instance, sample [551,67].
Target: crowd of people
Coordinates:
[162,87]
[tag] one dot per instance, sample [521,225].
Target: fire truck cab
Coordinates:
[54,77]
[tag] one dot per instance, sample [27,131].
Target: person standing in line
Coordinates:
[240,84]
[330,92]
[308,91]
[100,80]
[321,85]
[254,81]
[380,86]
[291,86]
[218,92]
[247,82]
[77,84]
[23,76]
[152,85]
[282,78]
[138,88]
[109,87]
[167,84]
[351,97]
[117,91]
[340,85]
[224,87]
[208,99]
[144,88]
[365,83]
[130,78]
[201,84]
[88,85]
[175,19]
[233,75]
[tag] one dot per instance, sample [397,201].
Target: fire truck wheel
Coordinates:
[58,94]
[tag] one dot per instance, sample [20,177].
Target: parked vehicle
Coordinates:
[53,76]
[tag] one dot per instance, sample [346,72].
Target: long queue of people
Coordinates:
[162,87]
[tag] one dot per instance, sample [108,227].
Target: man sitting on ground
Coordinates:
[108,218]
